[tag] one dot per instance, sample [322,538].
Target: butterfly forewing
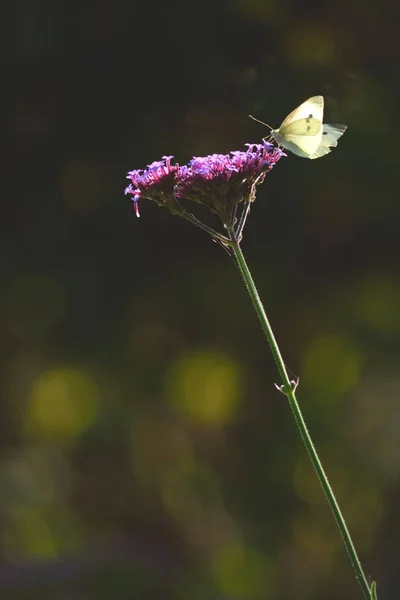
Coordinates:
[311,108]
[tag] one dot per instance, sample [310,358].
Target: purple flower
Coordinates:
[222,181]
[218,181]
[155,183]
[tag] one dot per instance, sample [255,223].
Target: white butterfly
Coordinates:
[303,133]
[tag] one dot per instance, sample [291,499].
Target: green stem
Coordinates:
[288,389]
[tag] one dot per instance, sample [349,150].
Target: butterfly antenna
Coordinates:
[262,122]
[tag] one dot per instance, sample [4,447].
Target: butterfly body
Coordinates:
[304,133]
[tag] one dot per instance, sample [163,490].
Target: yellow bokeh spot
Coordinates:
[364,522]
[315,535]
[362,105]
[377,303]
[240,571]
[34,303]
[31,534]
[306,483]
[309,44]
[271,12]
[42,531]
[63,403]
[205,387]
[331,364]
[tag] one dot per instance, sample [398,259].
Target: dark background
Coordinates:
[145,452]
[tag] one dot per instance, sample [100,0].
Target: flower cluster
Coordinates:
[155,183]
[218,181]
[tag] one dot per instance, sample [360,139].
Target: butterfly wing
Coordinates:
[302,129]
[311,108]
[320,151]
[304,134]
[330,135]
[292,147]
[308,126]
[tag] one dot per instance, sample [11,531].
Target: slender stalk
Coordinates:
[214,234]
[288,388]
[242,221]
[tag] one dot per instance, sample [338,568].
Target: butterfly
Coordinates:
[304,133]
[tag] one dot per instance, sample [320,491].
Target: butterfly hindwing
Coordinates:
[331,133]
[320,151]
[308,126]
[308,144]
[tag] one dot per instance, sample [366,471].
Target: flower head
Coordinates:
[154,183]
[218,181]
[222,181]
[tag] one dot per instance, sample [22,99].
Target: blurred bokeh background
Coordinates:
[145,452]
